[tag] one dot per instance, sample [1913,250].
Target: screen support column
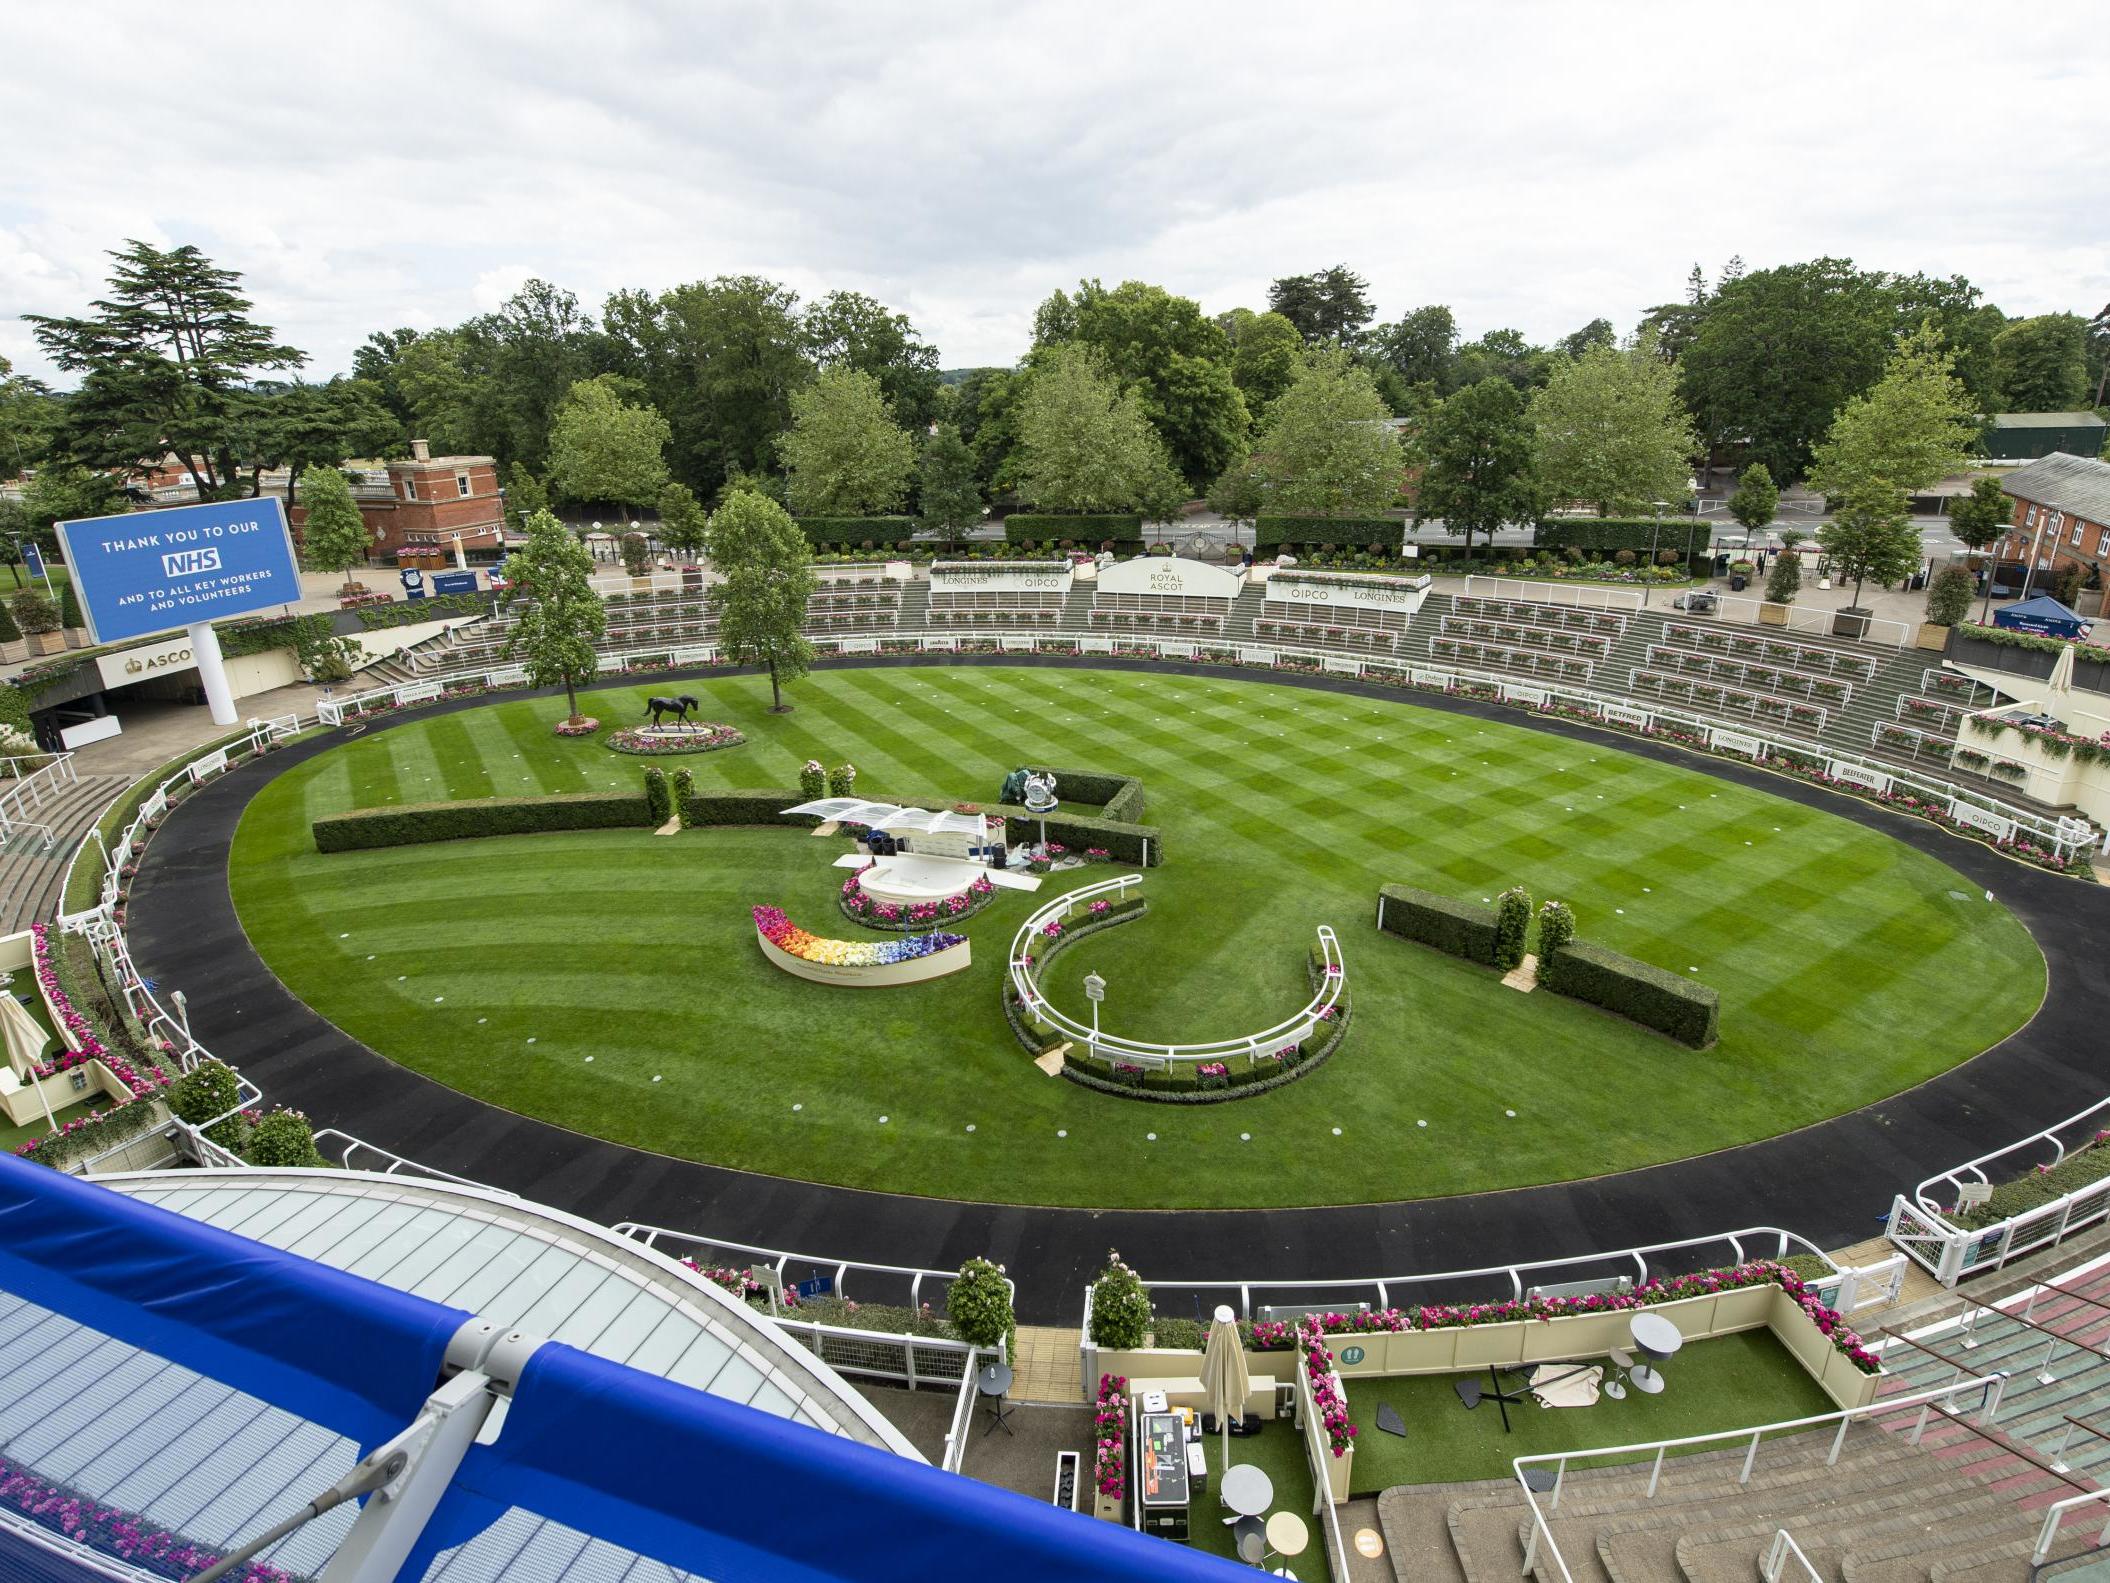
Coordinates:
[212,672]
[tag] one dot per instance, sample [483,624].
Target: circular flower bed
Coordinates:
[703,737]
[584,726]
[905,916]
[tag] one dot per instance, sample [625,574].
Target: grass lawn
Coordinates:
[1731,1382]
[1278,1451]
[610,981]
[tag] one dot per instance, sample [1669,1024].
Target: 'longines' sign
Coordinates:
[974,579]
[149,659]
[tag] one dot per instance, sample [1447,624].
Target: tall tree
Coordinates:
[528,355]
[1328,450]
[727,354]
[378,361]
[1501,354]
[301,426]
[1421,346]
[985,409]
[1966,323]
[1084,444]
[1870,535]
[845,454]
[847,329]
[1979,521]
[164,362]
[1612,432]
[1478,470]
[334,535]
[683,525]
[1327,305]
[1674,324]
[1756,499]
[1779,352]
[29,413]
[1266,352]
[67,492]
[561,618]
[1912,428]
[602,449]
[948,499]
[765,570]
[2041,364]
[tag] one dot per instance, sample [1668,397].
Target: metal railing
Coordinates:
[690,1244]
[1582,596]
[1923,1402]
[1784,1562]
[21,792]
[962,1420]
[1025,979]
[2055,1516]
[1920,1225]
[333,1142]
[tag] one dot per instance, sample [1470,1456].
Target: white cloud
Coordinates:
[1532,165]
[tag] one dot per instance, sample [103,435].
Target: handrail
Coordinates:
[1318,1455]
[1783,1550]
[2057,1290]
[2055,1516]
[1954,1176]
[347,1145]
[1923,1400]
[778,1259]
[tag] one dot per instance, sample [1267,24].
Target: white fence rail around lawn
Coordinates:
[1924,1226]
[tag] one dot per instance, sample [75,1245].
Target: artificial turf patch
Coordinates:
[1849,965]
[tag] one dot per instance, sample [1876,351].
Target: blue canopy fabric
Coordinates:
[728,1492]
[2044,616]
[337,1349]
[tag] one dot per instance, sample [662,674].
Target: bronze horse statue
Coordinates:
[677,707]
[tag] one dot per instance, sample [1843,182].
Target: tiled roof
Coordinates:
[2077,485]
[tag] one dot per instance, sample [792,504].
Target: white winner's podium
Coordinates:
[944,852]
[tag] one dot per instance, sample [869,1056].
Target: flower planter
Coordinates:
[1772,615]
[1107,1508]
[42,643]
[1932,635]
[1851,623]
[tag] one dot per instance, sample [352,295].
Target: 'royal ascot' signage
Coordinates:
[151,571]
[971,577]
[1170,576]
[1348,592]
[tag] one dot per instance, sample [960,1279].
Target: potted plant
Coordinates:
[38,618]
[1948,602]
[1740,575]
[1783,582]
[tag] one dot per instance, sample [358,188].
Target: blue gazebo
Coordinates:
[2044,616]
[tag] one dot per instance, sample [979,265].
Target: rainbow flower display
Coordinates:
[789,938]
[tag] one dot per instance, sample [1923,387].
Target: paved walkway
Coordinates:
[1832,1182]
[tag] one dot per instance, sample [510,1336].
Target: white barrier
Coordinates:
[1581,596]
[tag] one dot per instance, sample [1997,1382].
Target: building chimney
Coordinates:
[420,451]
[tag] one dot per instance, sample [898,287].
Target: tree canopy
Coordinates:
[1084,444]
[1326,305]
[1329,449]
[765,571]
[845,455]
[2041,364]
[602,448]
[1612,432]
[1910,429]
[561,618]
[1478,469]
[948,499]
[334,534]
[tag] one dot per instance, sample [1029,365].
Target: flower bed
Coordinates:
[703,737]
[1279,1334]
[858,961]
[113,1531]
[2041,1185]
[84,1044]
[1326,1397]
[584,726]
[873,914]
[1110,1437]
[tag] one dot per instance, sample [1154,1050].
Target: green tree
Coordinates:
[1266,351]
[1327,305]
[1611,430]
[1779,352]
[1949,595]
[847,329]
[1870,535]
[683,526]
[1592,336]
[1421,346]
[604,449]
[765,569]
[1084,445]
[948,500]
[1784,581]
[29,413]
[560,618]
[1177,361]
[67,492]
[165,361]
[1501,354]
[1240,492]
[2041,364]
[301,426]
[1979,521]
[845,455]
[1478,468]
[524,496]
[721,358]
[1329,449]
[985,408]
[1912,428]
[1756,499]
[334,535]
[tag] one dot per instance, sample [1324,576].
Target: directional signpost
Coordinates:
[188,566]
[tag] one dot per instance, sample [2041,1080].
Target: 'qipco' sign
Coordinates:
[1379,593]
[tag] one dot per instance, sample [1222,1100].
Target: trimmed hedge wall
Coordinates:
[1639,991]
[1118,797]
[836,532]
[1280,532]
[1461,928]
[1604,537]
[416,823]
[763,806]
[1084,527]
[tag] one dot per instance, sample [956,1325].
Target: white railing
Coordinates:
[1319,1456]
[2062,836]
[1925,1403]
[1583,596]
[1757,705]
[2056,1514]
[1785,1563]
[838,1271]
[1812,621]
[1025,979]
[23,791]
[956,1432]
[356,1154]
[1921,1225]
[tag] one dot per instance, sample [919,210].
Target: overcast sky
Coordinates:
[372,165]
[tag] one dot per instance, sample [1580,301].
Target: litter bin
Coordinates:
[1738,583]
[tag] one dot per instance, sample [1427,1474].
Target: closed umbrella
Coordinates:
[1225,1379]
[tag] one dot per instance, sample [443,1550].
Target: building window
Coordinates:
[410,489]
[461,485]
[2102,541]
[2029,517]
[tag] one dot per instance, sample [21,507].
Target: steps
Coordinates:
[32,871]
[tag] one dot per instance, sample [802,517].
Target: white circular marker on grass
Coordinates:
[1421,1123]
[970,1126]
[1062,1132]
[798,1107]
[1150,1137]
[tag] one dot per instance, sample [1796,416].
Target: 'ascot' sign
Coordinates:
[149,659]
[1170,575]
[150,571]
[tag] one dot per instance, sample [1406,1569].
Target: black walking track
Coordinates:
[1832,1182]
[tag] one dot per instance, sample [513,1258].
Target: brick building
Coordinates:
[2062,516]
[428,500]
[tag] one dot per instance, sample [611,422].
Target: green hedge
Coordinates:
[758,806]
[409,612]
[1140,844]
[1271,533]
[1461,928]
[454,821]
[1084,527]
[829,532]
[1603,537]
[258,637]
[14,707]
[1639,991]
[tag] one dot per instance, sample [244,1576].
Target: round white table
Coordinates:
[1287,1535]
[1658,1339]
[1247,1490]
